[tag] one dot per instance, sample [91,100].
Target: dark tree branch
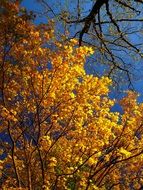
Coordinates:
[90,18]
[126,5]
[118,28]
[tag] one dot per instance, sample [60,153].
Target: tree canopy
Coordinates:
[113,28]
[57,127]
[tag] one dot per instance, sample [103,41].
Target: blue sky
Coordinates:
[33,5]
[138,83]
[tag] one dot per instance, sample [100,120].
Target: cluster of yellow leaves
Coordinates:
[59,129]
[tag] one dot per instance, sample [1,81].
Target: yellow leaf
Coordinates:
[124,152]
[72,95]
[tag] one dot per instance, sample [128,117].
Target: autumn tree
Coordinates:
[112,27]
[57,128]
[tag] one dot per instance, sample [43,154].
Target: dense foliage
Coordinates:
[56,124]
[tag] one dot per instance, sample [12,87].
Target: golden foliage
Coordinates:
[58,127]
